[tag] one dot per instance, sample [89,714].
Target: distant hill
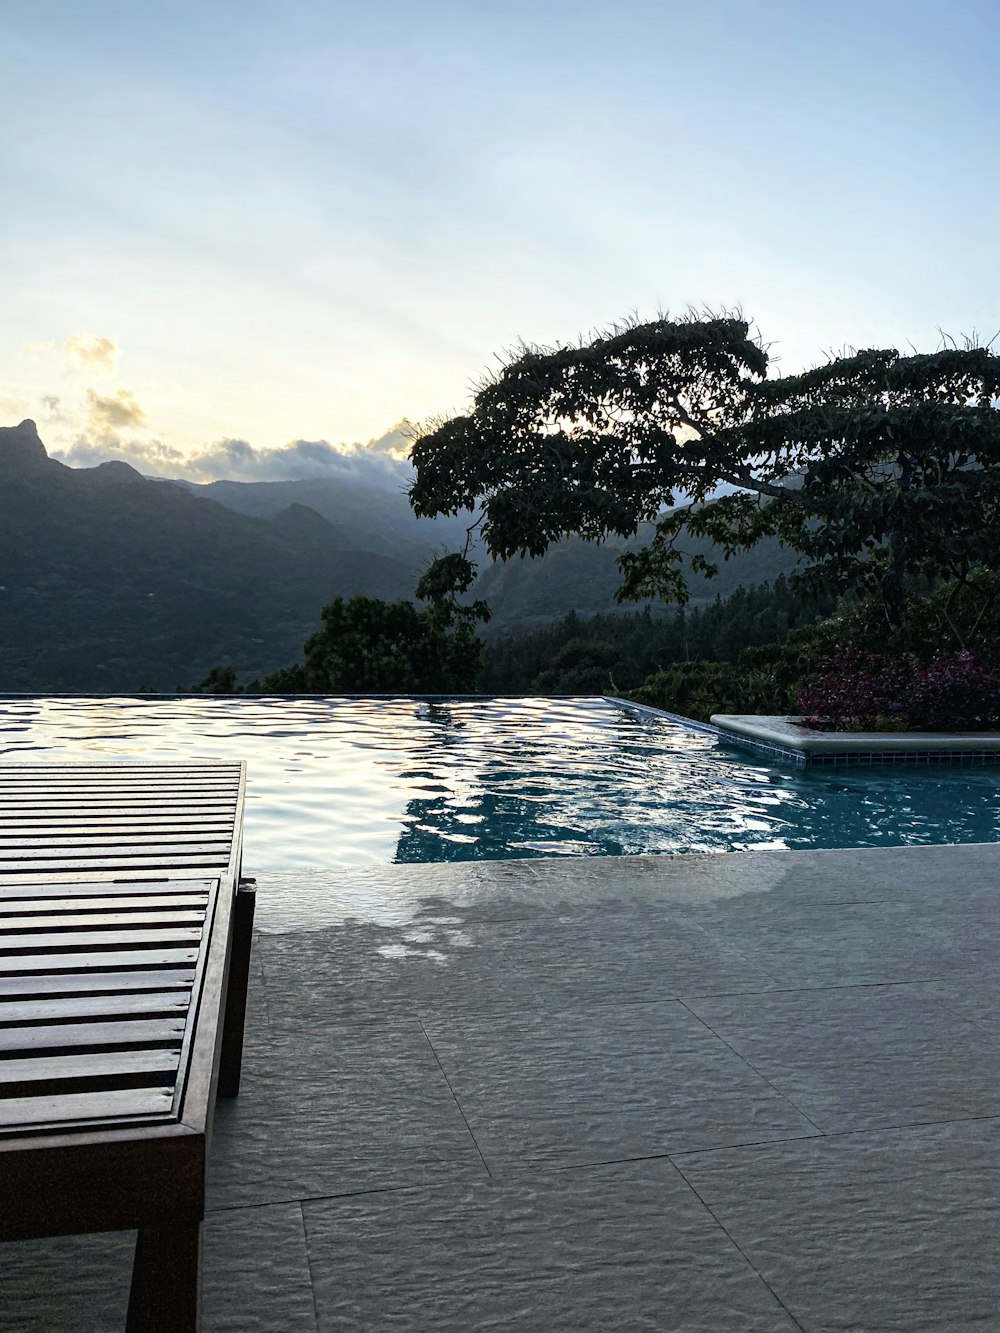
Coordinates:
[583,577]
[367,517]
[109,580]
[523,594]
[114,581]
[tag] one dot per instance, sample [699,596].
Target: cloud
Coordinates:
[108,413]
[152,457]
[91,351]
[380,462]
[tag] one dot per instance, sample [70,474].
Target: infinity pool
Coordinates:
[361,781]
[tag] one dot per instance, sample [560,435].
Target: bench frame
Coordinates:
[149,1177]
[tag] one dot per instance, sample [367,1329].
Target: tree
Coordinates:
[366,646]
[220,680]
[881,470]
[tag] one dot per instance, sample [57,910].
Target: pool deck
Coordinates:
[754,1091]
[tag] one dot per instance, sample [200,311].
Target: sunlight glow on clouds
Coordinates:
[84,426]
[90,350]
[108,413]
[380,462]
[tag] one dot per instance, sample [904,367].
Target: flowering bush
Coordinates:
[956,693]
[858,690]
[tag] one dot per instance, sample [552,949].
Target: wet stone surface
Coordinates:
[744,1092]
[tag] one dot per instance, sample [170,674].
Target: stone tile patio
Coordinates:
[746,1092]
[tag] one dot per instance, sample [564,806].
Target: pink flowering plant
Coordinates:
[857,690]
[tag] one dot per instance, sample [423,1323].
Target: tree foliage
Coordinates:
[609,653]
[879,469]
[366,646]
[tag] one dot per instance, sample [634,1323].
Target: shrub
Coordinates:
[857,690]
[956,693]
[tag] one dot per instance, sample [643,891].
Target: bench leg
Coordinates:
[236,992]
[166,1279]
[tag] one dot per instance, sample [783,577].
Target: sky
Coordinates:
[245,238]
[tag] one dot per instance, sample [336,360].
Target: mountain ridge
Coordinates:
[111,580]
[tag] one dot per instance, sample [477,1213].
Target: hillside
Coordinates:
[523,594]
[109,580]
[582,576]
[367,517]
[113,581]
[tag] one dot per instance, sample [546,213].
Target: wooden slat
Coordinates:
[190,916]
[126,959]
[53,943]
[54,825]
[102,888]
[15,811]
[89,1006]
[107,780]
[72,850]
[186,860]
[22,1113]
[12,842]
[151,874]
[118,804]
[193,782]
[103,769]
[90,981]
[101,763]
[91,909]
[50,1068]
[161,1031]
[120,783]
[69,782]
[122,807]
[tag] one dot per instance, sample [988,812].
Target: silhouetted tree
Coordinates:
[881,470]
[366,646]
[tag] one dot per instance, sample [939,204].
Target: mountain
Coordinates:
[367,517]
[523,594]
[581,576]
[109,580]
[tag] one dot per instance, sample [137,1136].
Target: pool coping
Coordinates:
[785,737]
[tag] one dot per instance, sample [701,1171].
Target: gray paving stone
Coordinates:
[255,1269]
[587,1135]
[534,1033]
[860,943]
[675,883]
[66,1284]
[892,1230]
[974,998]
[626,957]
[864,1057]
[858,874]
[561,1093]
[361,971]
[392,895]
[324,1113]
[257,1277]
[256,1016]
[612,1248]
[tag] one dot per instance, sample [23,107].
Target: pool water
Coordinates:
[361,781]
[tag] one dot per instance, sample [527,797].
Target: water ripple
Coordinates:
[362,781]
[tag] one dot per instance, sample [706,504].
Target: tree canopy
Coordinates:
[881,470]
[366,646]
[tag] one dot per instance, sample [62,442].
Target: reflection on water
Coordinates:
[362,781]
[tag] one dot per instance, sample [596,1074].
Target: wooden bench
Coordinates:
[125,934]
